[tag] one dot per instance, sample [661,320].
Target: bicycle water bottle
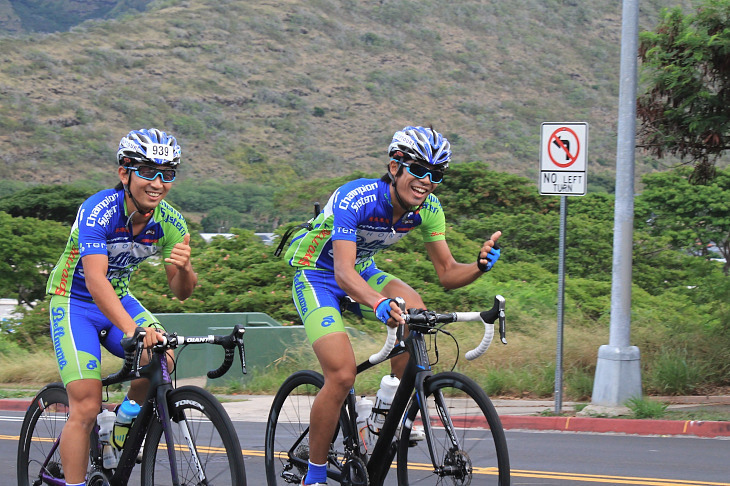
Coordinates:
[106,420]
[364,408]
[383,400]
[126,414]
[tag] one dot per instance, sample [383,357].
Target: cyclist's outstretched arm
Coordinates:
[352,283]
[453,274]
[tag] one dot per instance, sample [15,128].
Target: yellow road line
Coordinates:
[595,478]
[586,478]
[521,473]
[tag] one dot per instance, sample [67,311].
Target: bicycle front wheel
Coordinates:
[207,450]
[469,446]
[287,431]
[38,453]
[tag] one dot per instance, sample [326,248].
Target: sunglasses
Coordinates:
[419,172]
[150,173]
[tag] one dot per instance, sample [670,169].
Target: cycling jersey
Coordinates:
[361,211]
[102,227]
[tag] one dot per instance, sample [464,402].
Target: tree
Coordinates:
[220,220]
[471,189]
[29,248]
[58,203]
[8,187]
[685,110]
[692,216]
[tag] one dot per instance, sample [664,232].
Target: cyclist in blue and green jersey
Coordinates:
[114,231]
[334,260]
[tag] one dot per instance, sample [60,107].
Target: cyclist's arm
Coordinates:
[451,273]
[348,279]
[105,298]
[180,274]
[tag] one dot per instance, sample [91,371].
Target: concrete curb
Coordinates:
[695,428]
[14,404]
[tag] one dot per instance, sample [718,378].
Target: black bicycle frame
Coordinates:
[417,371]
[160,385]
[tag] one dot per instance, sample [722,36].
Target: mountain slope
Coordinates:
[23,16]
[281,91]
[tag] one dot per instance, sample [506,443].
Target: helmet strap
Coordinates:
[401,203]
[138,209]
[391,176]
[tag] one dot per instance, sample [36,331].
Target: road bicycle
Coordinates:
[464,440]
[185,434]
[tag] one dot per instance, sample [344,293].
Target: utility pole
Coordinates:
[618,371]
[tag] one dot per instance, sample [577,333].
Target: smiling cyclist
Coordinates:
[114,231]
[335,259]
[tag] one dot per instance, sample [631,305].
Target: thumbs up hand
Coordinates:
[180,256]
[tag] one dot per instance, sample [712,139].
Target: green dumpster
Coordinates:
[265,340]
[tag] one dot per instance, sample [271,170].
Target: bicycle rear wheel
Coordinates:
[44,419]
[469,445]
[207,450]
[287,431]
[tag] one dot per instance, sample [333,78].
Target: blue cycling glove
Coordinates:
[382,310]
[492,258]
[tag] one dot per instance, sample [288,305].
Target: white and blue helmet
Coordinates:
[421,144]
[151,146]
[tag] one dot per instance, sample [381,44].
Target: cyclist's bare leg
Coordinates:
[337,359]
[398,288]
[84,397]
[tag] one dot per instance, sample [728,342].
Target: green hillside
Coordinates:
[278,92]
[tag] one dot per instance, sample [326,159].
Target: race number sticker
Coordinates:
[159,151]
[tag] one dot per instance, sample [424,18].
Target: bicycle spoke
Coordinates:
[287,431]
[206,446]
[41,428]
[465,448]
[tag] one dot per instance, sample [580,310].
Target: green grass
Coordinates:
[674,373]
[646,408]
[708,414]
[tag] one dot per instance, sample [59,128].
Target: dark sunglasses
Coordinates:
[151,173]
[419,172]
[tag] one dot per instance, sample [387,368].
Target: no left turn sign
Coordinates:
[563,158]
[563,147]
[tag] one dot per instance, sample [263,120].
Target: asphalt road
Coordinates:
[544,458]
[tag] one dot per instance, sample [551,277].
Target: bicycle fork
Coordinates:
[193,450]
[445,418]
[166,420]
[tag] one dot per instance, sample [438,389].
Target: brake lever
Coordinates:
[399,333]
[239,331]
[502,326]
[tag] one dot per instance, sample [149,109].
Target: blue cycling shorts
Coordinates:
[75,329]
[319,300]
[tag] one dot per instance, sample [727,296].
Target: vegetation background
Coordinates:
[277,103]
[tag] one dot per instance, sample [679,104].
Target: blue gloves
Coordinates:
[382,310]
[492,258]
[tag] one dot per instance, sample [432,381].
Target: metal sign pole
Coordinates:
[563,164]
[561,300]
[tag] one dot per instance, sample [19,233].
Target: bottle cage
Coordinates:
[308,226]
